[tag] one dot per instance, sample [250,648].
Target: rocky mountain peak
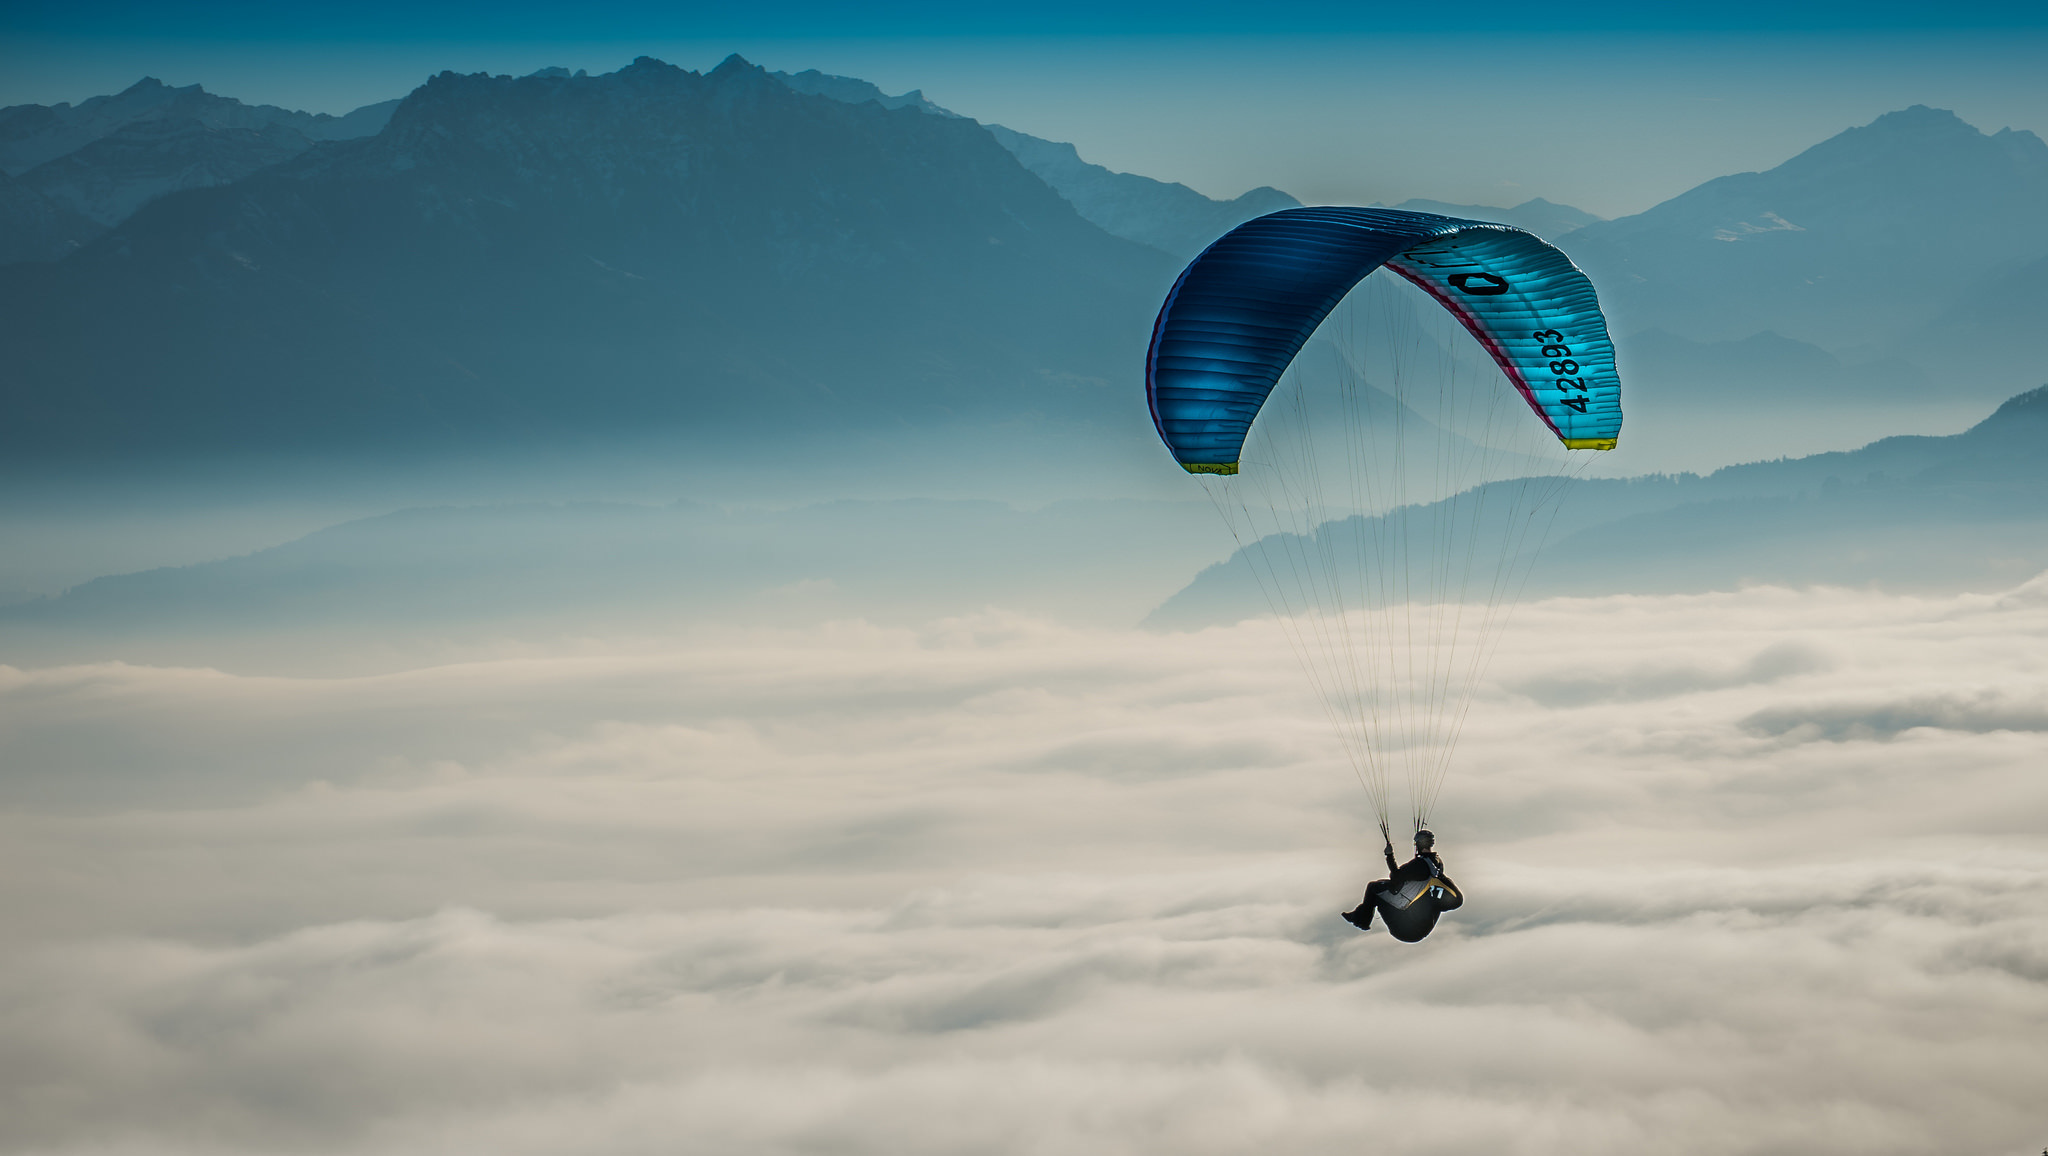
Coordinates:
[2029,408]
[1919,118]
[1847,244]
[856,91]
[732,65]
[33,134]
[645,110]
[147,84]
[1925,152]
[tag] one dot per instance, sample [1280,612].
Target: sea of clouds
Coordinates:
[1759,872]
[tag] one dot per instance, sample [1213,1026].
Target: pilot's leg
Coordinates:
[1361,916]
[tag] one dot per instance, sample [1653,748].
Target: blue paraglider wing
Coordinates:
[1246,306]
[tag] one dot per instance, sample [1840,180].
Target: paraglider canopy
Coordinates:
[1242,310]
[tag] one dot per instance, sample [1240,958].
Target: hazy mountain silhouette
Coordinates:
[117,174]
[101,160]
[1172,218]
[31,134]
[1992,330]
[1965,511]
[1968,510]
[35,228]
[855,91]
[746,252]
[549,255]
[1854,242]
[1169,217]
[609,566]
[1543,218]
[1763,370]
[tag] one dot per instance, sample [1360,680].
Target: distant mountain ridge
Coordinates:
[916,558]
[151,139]
[1857,241]
[1543,218]
[110,178]
[35,228]
[1169,217]
[1992,329]
[101,160]
[1725,291]
[1968,510]
[856,91]
[1172,218]
[1917,512]
[31,134]
[534,257]
[1760,370]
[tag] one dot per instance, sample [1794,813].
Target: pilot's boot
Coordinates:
[1360,917]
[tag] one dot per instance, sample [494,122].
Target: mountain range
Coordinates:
[1965,511]
[1172,218]
[1883,274]
[1862,244]
[350,592]
[31,134]
[1543,218]
[501,261]
[74,171]
[109,155]
[554,255]
[35,228]
[1916,513]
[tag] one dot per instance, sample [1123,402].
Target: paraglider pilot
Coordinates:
[1412,895]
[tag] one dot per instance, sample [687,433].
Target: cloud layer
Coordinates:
[1739,884]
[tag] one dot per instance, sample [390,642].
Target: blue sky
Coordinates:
[393,19]
[1611,107]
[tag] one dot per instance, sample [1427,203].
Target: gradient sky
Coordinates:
[1607,106]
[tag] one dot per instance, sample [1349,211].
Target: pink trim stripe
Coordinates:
[1471,323]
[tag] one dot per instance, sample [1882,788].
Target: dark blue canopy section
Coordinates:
[1246,306]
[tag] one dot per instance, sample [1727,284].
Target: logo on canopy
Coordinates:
[1488,284]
